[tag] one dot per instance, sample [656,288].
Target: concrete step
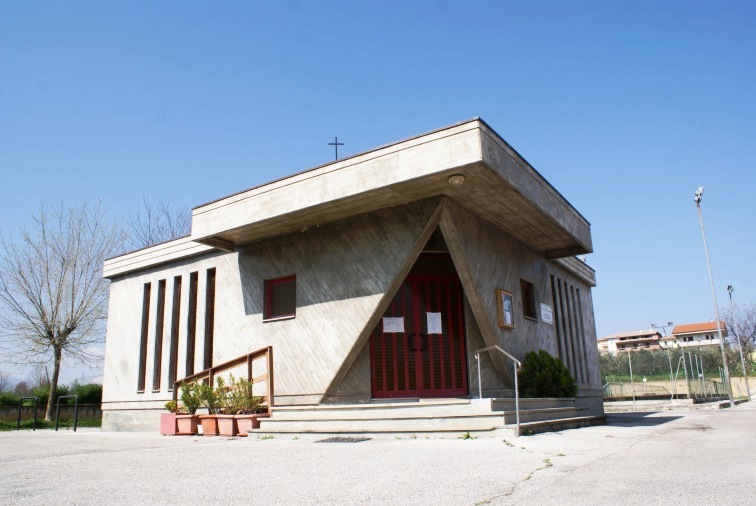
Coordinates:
[537,415]
[383,410]
[422,424]
[506,432]
[426,417]
[500,404]
[530,428]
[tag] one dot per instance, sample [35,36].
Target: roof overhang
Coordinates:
[499,185]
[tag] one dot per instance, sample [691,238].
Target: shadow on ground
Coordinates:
[638,419]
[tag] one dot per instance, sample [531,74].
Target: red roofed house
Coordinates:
[693,334]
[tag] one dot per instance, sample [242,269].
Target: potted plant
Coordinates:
[225,416]
[187,419]
[247,407]
[168,420]
[208,398]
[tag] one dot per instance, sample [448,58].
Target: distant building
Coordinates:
[630,341]
[694,334]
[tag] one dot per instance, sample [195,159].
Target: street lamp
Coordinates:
[731,289]
[697,200]
[663,327]
[669,356]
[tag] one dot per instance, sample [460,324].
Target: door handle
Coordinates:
[423,342]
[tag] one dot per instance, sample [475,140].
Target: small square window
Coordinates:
[528,299]
[280,298]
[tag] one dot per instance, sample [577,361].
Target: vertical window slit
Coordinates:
[142,379]
[582,332]
[209,318]
[565,333]
[191,325]
[159,324]
[175,318]
[557,316]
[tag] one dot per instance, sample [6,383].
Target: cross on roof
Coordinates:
[336,145]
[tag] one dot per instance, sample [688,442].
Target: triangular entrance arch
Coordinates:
[441,219]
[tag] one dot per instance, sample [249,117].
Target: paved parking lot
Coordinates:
[677,457]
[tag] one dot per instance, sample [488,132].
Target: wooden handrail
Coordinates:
[209,374]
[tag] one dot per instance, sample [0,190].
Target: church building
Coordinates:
[370,282]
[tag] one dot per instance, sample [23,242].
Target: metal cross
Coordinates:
[336,145]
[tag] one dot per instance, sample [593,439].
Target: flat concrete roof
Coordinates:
[498,185]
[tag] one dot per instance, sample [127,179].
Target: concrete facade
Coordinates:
[350,232]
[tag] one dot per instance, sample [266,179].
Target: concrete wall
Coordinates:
[488,258]
[343,270]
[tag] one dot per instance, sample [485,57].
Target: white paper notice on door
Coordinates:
[434,323]
[393,325]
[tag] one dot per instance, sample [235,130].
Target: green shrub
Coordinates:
[88,394]
[189,400]
[9,399]
[42,391]
[542,375]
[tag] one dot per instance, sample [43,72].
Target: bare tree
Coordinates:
[156,222]
[22,388]
[741,325]
[52,293]
[5,382]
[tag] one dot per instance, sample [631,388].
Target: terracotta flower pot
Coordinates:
[246,422]
[226,425]
[168,424]
[187,424]
[209,425]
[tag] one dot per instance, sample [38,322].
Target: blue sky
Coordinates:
[625,107]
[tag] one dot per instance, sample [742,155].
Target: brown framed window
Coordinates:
[280,298]
[527,292]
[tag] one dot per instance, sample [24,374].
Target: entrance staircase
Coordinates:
[436,418]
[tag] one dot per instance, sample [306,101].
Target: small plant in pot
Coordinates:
[247,406]
[225,416]
[186,417]
[208,398]
[168,420]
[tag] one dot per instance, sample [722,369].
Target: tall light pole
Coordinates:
[731,289]
[697,200]
[669,357]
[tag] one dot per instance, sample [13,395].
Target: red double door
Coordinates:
[418,347]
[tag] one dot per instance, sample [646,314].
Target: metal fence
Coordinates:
[692,374]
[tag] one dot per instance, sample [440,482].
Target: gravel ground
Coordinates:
[681,457]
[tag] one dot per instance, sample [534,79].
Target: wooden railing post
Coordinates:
[270,377]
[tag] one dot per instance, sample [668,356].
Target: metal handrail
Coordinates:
[209,374]
[36,405]
[517,365]
[76,410]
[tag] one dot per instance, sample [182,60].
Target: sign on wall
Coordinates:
[547,314]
